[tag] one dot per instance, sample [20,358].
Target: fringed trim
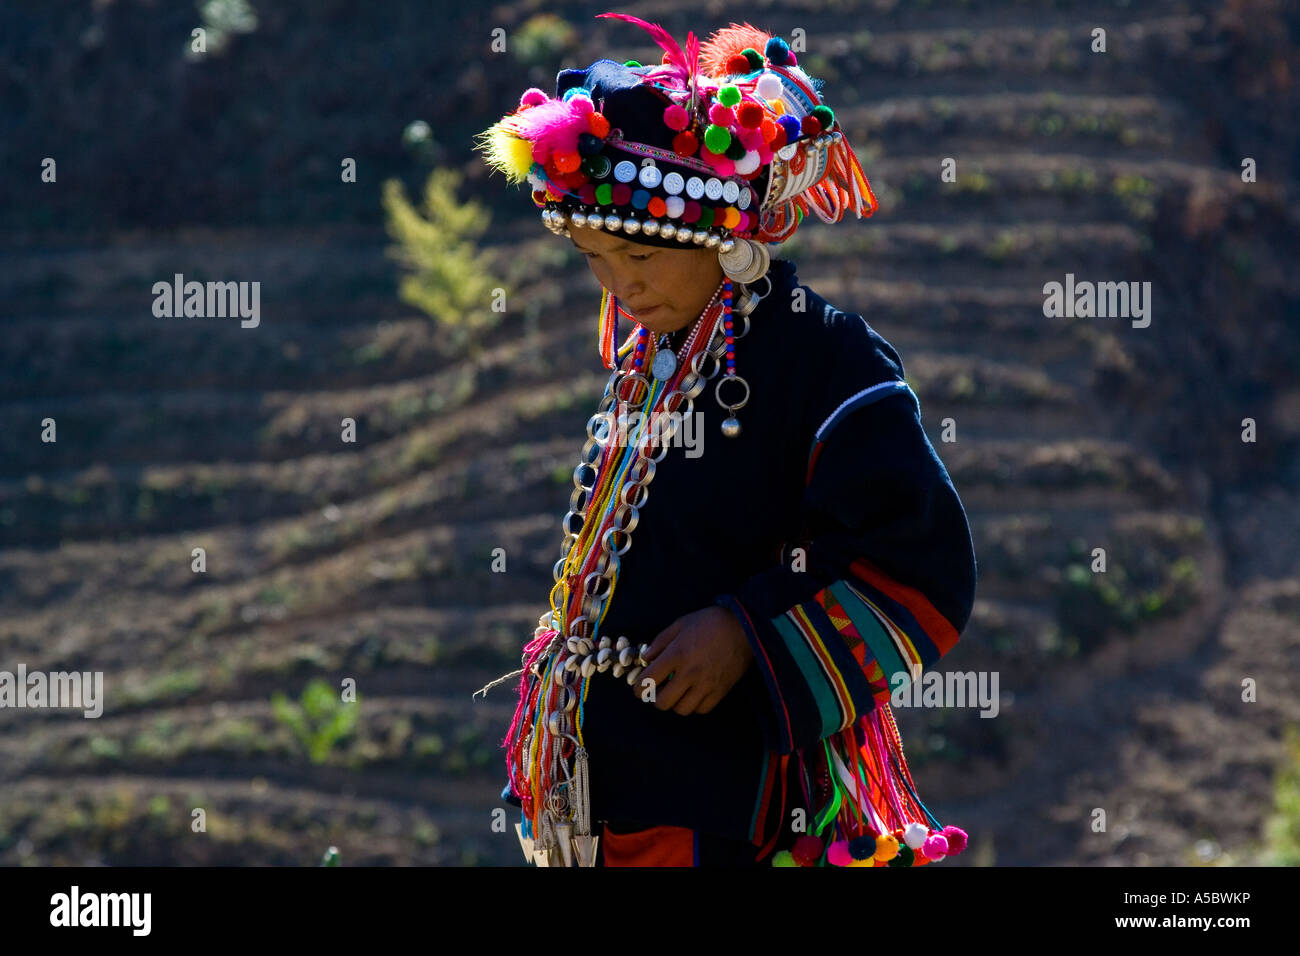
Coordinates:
[865,809]
[522,731]
[842,190]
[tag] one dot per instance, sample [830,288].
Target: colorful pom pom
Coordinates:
[935,847]
[749,115]
[724,167]
[753,58]
[751,138]
[807,850]
[598,125]
[631,63]
[729,94]
[736,63]
[914,835]
[685,143]
[825,115]
[783,858]
[768,86]
[567,160]
[904,858]
[886,847]
[792,128]
[533,97]
[838,854]
[957,838]
[736,150]
[747,163]
[810,125]
[717,138]
[676,117]
[720,115]
[777,50]
[863,847]
[589,144]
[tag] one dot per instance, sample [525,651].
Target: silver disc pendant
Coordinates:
[665,364]
[731,427]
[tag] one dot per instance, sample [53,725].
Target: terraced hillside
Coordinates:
[372,560]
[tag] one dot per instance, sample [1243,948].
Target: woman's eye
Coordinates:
[642,258]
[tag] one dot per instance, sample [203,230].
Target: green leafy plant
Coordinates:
[319,720]
[1283,827]
[450,278]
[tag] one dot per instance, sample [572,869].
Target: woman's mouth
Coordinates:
[642,313]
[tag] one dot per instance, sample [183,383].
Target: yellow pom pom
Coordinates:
[506,152]
[886,848]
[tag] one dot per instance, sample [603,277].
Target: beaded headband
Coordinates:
[717,143]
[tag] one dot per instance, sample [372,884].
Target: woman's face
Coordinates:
[666,289]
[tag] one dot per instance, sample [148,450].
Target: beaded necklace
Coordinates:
[547,758]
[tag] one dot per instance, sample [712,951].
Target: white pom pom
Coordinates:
[914,835]
[747,163]
[769,86]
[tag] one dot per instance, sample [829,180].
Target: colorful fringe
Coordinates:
[865,808]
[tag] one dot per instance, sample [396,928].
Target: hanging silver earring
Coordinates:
[745,260]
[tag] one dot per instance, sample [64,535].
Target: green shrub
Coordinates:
[319,721]
[450,278]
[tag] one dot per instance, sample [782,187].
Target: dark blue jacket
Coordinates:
[833,460]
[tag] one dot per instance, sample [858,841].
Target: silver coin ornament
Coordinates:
[665,364]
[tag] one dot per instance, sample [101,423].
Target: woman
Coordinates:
[716,691]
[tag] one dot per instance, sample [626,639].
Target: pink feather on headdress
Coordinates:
[676,58]
[550,126]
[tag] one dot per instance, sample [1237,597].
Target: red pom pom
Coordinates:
[778,138]
[598,125]
[956,839]
[807,850]
[750,115]
[685,143]
[810,125]
[567,160]
[737,64]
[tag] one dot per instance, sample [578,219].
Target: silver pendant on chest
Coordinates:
[665,364]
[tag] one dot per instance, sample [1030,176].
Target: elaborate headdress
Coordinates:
[719,146]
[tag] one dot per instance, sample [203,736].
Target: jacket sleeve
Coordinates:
[886,580]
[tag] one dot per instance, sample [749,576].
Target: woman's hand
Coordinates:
[706,652]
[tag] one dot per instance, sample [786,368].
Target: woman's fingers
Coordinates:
[690,701]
